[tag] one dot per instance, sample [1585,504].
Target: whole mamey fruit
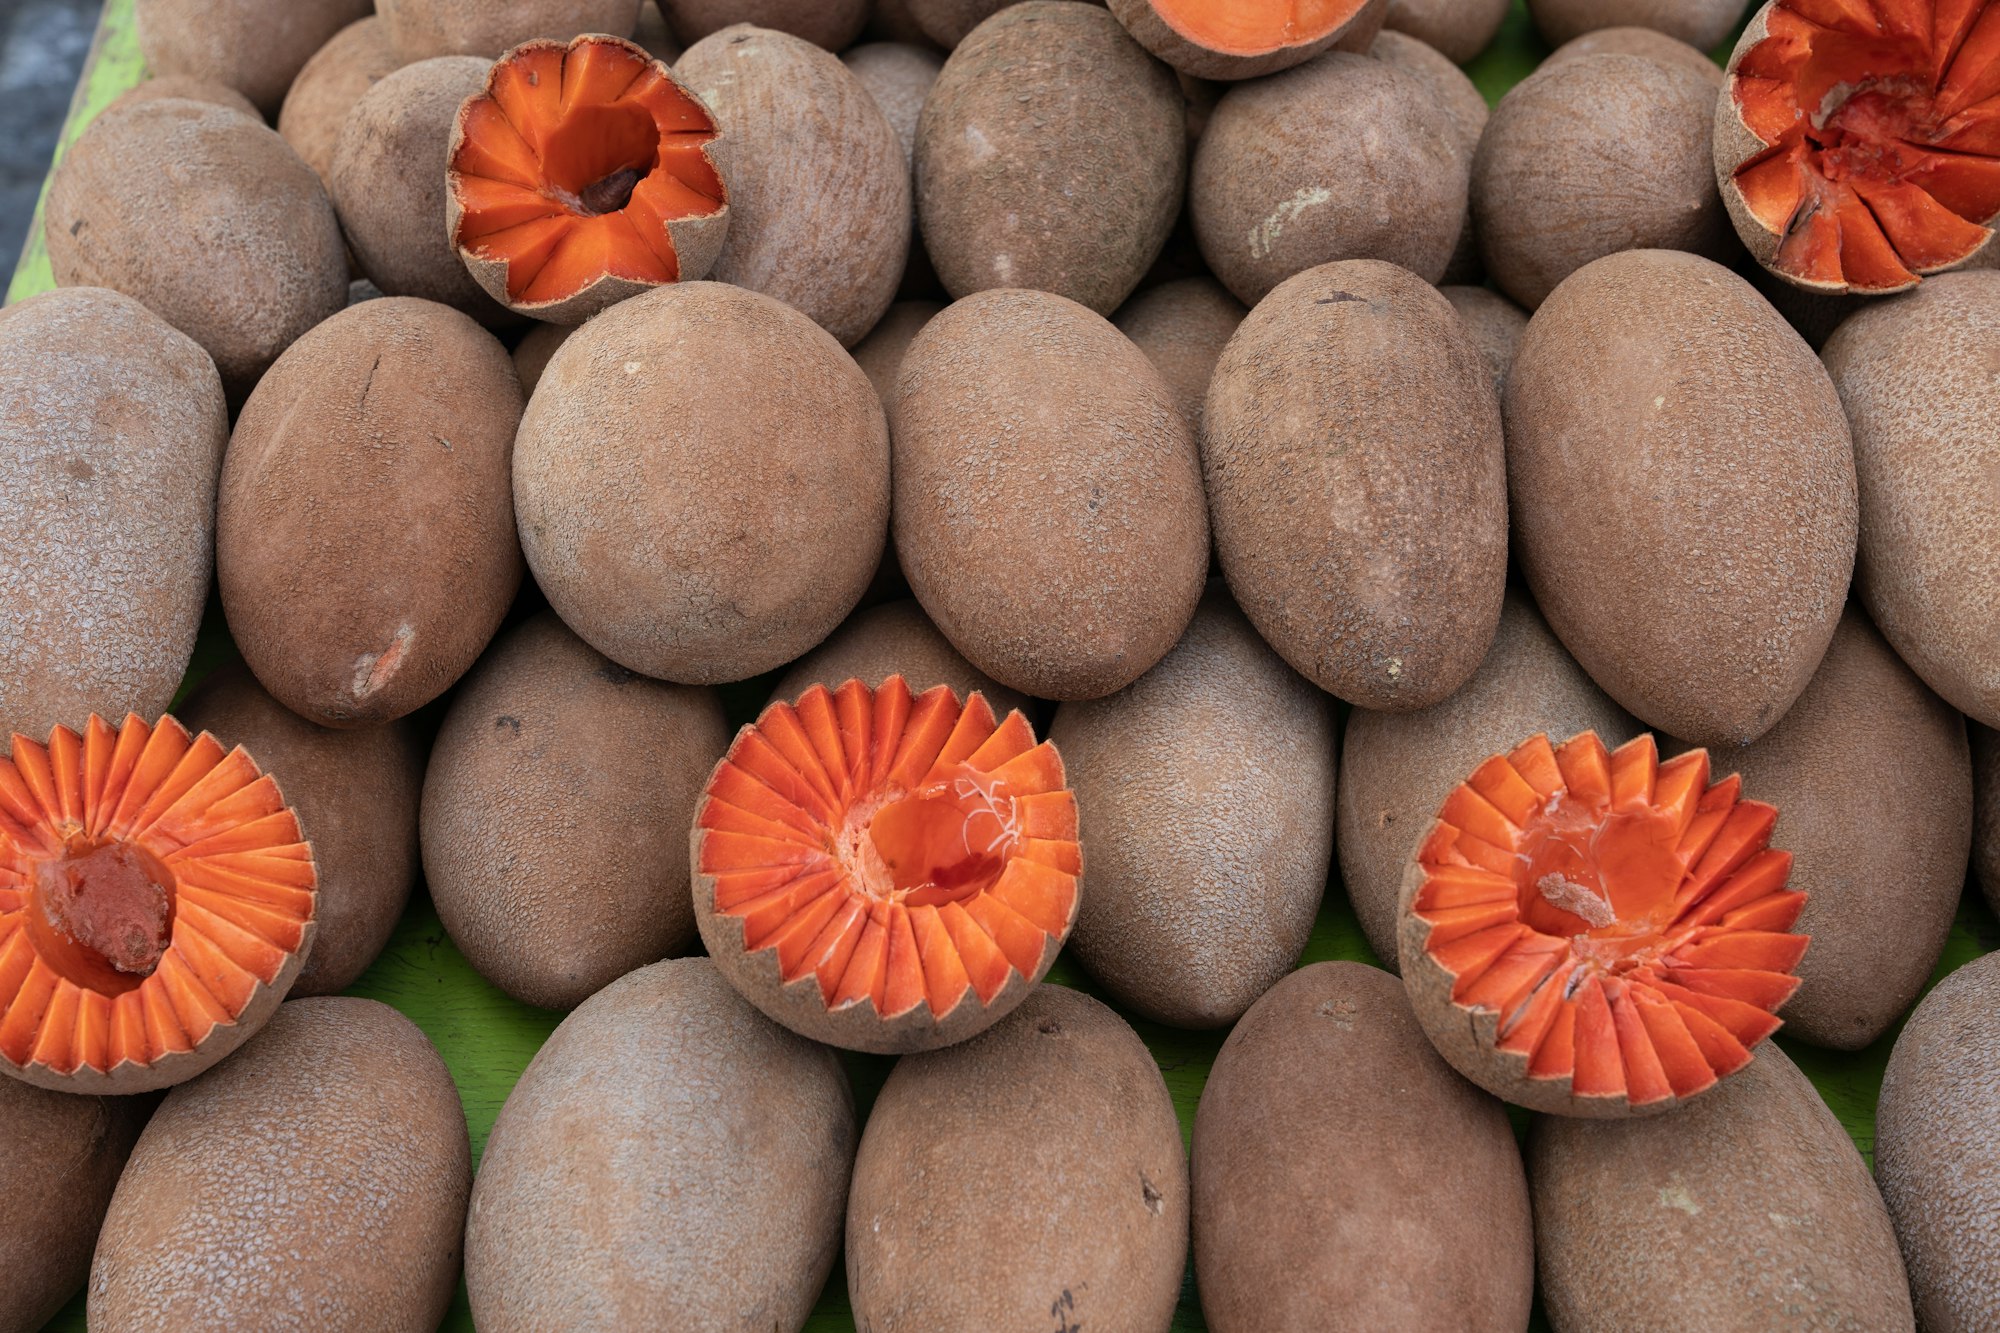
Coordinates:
[1466,106]
[1495,323]
[1343,158]
[1594,933]
[1937,1147]
[832,24]
[1460,29]
[895,639]
[365,541]
[317,1180]
[356,58]
[1648,43]
[185,86]
[1048,503]
[899,78]
[819,185]
[1986,831]
[1099,1242]
[1692,550]
[1701,23]
[1289,1225]
[113,424]
[1202,792]
[666,504]
[1916,376]
[253,46]
[880,354]
[947,22]
[238,247]
[533,353]
[1748,1210]
[425,28]
[1227,39]
[665,1086]
[1355,473]
[1182,327]
[1052,153]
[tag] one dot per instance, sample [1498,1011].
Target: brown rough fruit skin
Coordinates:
[63,1157]
[1593,156]
[238,248]
[654,34]
[670,1159]
[1048,505]
[1203,790]
[880,354]
[357,58]
[113,424]
[947,22]
[1458,29]
[1182,327]
[702,482]
[254,46]
[819,186]
[899,78]
[1683,493]
[1466,105]
[895,639]
[1495,323]
[365,541]
[316,1181]
[1937,1148]
[184,86]
[1747,1210]
[1067,1202]
[1342,158]
[1647,43]
[831,24]
[1397,768]
[1702,23]
[533,352]
[1202,62]
[1052,154]
[1986,832]
[548,906]
[355,792]
[1427,1227]
[1356,478]
[1917,377]
[425,28]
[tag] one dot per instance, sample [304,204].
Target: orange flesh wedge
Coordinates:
[1253,27]
[1625,921]
[898,849]
[573,163]
[1882,120]
[149,882]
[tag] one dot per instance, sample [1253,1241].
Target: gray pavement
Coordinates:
[42,46]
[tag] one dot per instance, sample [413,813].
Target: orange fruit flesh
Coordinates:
[1626,922]
[1252,27]
[898,849]
[574,162]
[149,882]
[1883,118]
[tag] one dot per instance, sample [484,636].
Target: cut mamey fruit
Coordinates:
[157,900]
[1241,39]
[583,175]
[1858,144]
[886,872]
[1595,933]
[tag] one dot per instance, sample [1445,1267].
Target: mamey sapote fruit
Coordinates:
[665,1085]
[1916,376]
[1701,23]
[1182,327]
[1202,792]
[112,427]
[1748,1210]
[1099,1242]
[832,24]
[1986,826]
[1052,153]
[1495,323]
[894,639]
[1459,29]
[1466,107]
[194,90]
[1937,1147]
[365,543]
[1858,142]
[63,1157]
[1428,1229]
[819,185]
[665,502]
[533,352]
[1691,549]
[318,1180]
[880,354]
[353,60]
[1648,43]
[899,78]
[547,906]
[425,28]
[1593,933]
[156,902]
[1354,391]
[238,247]
[253,46]
[1048,503]
[581,175]
[1397,768]
[1242,39]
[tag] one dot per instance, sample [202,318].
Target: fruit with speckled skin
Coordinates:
[184,86]
[425,28]
[365,541]
[1427,1229]
[880,354]
[1466,106]
[354,60]
[1702,23]
[1182,327]
[1986,829]
[1459,29]
[1352,451]
[1495,323]
[1691,549]
[1749,1209]
[1916,376]
[253,46]
[1202,791]
[1649,43]
[316,1180]
[533,352]
[831,24]
[1048,503]
[1095,1237]
[702,481]
[899,78]
[890,640]
[111,423]
[671,1159]
[1230,40]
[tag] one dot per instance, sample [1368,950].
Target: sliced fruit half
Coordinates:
[886,872]
[1596,933]
[157,900]
[1857,143]
[583,175]
[1242,39]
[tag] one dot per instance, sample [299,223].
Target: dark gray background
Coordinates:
[42,45]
